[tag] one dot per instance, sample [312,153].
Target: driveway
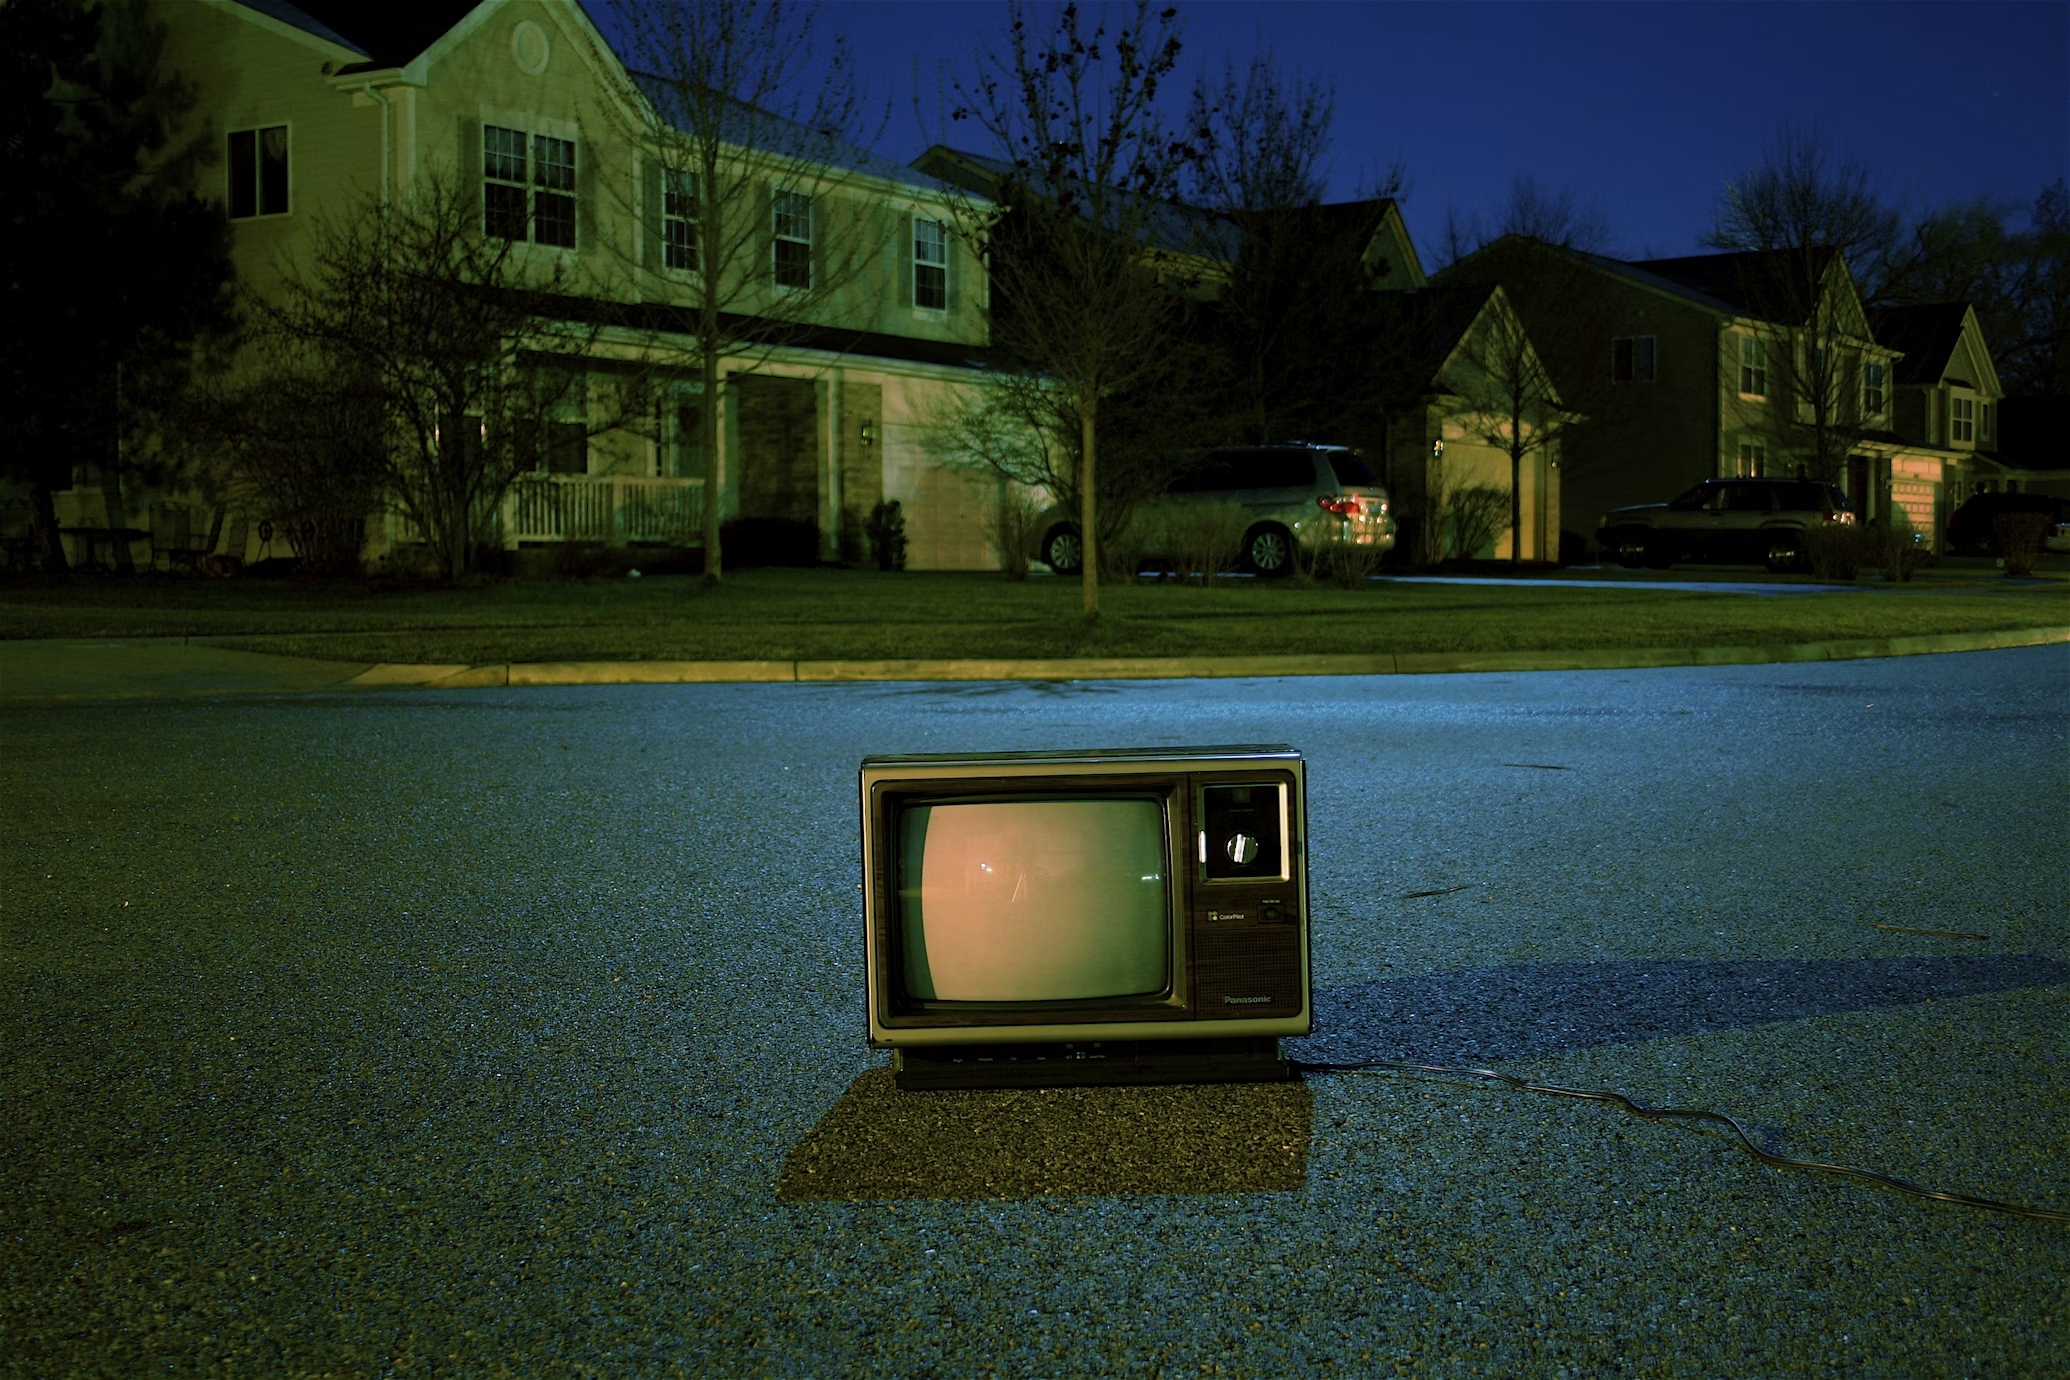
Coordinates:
[496,1031]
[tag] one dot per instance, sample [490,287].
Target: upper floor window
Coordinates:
[1872,388]
[793,231]
[1987,429]
[528,186]
[1962,420]
[1631,359]
[930,265]
[1753,367]
[679,218]
[258,172]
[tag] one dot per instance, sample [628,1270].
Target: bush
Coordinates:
[1473,516]
[1833,551]
[1122,551]
[1012,531]
[886,532]
[1205,540]
[1893,548]
[2019,540]
[1345,562]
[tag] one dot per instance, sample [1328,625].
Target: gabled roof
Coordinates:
[788,138]
[1768,284]
[1172,228]
[389,32]
[1431,322]
[1928,334]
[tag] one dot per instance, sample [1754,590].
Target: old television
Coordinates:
[1117,916]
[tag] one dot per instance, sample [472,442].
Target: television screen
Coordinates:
[1035,900]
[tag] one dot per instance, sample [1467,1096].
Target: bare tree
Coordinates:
[1801,198]
[1079,251]
[757,126]
[455,343]
[1557,218]
[1509,400]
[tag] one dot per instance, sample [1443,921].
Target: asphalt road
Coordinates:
[488,1032]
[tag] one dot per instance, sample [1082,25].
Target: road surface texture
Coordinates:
[520,1032]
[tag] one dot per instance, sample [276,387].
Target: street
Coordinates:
[495,1031]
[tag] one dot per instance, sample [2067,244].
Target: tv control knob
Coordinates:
[1241,848]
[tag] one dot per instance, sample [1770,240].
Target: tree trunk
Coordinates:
[714,558]
[45,523]
[1088,508]
[1516,504]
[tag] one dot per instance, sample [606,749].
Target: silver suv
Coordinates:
[1759,521]
[1290,501]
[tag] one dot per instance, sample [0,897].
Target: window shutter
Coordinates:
[586,238]
[650,215]
[764,237]
[818,220]
[471,171]
[902,259]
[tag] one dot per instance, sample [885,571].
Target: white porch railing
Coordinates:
[612,509]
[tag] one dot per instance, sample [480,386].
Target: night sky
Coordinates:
[1642,109]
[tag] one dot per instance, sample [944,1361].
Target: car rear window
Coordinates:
[1809,497]
[1352,471]
[1274,469]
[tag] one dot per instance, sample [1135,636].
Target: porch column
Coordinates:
[831,441]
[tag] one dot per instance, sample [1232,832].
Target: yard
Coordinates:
[841,614]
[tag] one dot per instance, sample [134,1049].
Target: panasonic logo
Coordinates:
[1243,1001]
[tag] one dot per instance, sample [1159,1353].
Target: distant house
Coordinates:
[1945,410]
[1695,368]
[322,102]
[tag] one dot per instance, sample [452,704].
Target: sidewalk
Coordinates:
[133,668]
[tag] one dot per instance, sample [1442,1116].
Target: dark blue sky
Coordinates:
[1640,109]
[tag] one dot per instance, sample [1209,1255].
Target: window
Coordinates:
[567,448]
[793,265]
[521,202]
[679,218]
[1753,459]
[1986,433]
[930,265]
[258,172]
[1872,388]
[1753,368]
[1631,359]
[1962,419]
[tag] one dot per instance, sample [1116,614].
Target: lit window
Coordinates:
[1631,359]
[518,203]
[1753,368]
[1872,389]
[1962,419]
[258,172]
[1986,430]
[679,218]
[793,228]
[1753,459]
[930,265]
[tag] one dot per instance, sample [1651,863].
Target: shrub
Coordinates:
[767,541]
[1893,548]
[1346,562]
[1205,540]
[1834,551]
[2019,540]
[1122,551]
[886,531]
[1012,531]
[1473,516]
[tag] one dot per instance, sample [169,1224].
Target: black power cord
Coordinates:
[1868,1176]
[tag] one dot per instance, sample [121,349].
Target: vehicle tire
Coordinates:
[1783,556]
[1631,552]
[1062,550]
[1268,551]
[1660,554]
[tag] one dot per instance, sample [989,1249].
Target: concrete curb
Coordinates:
[1178,668]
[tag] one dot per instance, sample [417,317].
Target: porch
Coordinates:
[615,510]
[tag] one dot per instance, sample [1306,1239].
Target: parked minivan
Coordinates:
[1293,502]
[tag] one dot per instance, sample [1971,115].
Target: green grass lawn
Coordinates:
[841,614]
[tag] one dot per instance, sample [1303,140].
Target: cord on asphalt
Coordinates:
[1868,1176]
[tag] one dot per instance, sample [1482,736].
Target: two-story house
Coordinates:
[1694,368]
[567,155]
[1944,408]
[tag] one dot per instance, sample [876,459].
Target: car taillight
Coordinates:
[1343,505]
[1839,517]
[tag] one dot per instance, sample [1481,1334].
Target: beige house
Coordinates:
[1945,410]
[324,103]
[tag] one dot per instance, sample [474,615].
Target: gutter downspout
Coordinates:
[387,139]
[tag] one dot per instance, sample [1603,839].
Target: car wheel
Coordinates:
[1631,553]
[1062,550]
[1659,554]
[1269,552]
[1782,555]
